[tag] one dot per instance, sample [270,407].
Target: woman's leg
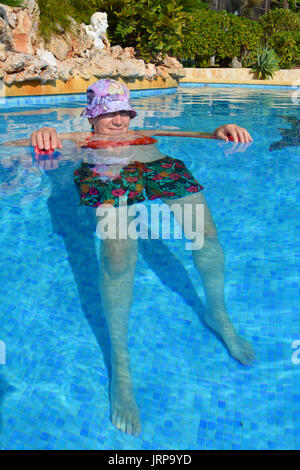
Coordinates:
[209,262]
[117,266]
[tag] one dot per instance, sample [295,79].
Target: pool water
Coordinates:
[191,393]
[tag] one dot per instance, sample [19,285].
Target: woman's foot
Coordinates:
[125,414]
[238,347]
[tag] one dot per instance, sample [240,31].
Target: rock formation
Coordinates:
[25,56]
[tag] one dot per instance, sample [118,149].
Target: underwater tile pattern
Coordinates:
[192,394]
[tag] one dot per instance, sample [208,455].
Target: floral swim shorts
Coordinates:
[166,178]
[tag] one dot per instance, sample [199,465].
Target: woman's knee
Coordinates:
[193,214]
[118,256]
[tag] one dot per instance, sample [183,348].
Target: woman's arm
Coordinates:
[237,133]
[46,138]
[159,132]
[17,143]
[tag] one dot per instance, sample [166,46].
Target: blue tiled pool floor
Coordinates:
[191,393]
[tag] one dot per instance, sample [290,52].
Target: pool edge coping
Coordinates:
[67,97]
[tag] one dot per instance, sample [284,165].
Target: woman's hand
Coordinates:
[239,134]
[46,138]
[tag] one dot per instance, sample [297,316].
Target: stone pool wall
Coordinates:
[78,85]
[192,75]
[239,76]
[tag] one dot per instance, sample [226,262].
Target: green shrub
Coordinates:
[266,63]
[240,40]
[150,26]
[200,38]
[219,34]
[276,21]
[281,32]
[287,46]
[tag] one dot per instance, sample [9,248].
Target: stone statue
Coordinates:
[97,30]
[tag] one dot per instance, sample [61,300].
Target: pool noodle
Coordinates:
[200,135]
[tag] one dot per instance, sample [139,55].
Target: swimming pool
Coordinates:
[192,394]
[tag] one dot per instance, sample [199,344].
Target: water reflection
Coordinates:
[290,137]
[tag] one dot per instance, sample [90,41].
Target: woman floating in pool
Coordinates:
[129,170]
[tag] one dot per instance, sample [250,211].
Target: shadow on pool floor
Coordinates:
[290,137]
[76,225]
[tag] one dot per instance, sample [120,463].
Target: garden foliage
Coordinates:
[12,3]
[183,28]
[150,26]
[224,36]
[219,34]
[281,32]
[266,63]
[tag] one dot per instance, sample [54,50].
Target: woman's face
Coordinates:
[111,123]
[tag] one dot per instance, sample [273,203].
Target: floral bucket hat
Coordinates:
[107,96]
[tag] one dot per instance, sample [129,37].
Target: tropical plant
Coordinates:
[266,63]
